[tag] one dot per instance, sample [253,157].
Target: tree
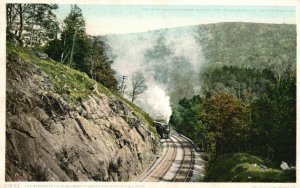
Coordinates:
[11,19]
[75,42]
[41,24]
[31,24]
[138,85]
[226,119]
[98,64]
[186,119]
[274,121]
[20,11]
[82,52]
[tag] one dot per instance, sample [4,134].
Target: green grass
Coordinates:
[71,84]
[242,167]
[74,86]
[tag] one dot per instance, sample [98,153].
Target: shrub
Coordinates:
[242,167]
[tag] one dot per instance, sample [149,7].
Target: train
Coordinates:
[162,129]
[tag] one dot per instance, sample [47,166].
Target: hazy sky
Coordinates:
[108,19]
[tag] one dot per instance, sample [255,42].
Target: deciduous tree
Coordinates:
[138,85]
[225,116]
[31,24]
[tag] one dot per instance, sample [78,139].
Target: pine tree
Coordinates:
[274,121]
[98,64]
[75,43]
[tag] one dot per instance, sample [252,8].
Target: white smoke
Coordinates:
[156,103]
[130,53]
[184,44]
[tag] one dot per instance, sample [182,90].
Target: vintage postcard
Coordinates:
[154,93]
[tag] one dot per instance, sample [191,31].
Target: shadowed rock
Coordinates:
[48,139]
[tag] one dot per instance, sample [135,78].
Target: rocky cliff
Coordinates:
[62,126]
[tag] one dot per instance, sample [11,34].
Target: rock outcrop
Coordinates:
[49,139]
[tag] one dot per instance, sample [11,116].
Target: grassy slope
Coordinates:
[242,167]
[74,86]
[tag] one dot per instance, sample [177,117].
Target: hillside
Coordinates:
[188,61]
[243,58]
[63,126]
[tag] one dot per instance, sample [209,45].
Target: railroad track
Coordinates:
[155,174]
[185,170]
[177,163]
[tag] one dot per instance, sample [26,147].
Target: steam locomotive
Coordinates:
[162,129]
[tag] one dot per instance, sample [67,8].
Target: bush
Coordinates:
[242,167]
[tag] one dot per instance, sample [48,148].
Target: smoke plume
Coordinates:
[170,60]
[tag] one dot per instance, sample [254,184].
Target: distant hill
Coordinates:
[180,58]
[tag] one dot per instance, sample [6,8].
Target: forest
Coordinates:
[246,111]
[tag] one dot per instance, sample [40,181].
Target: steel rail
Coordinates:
[151,173]
[190,159]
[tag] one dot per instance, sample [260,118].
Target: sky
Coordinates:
[121,19]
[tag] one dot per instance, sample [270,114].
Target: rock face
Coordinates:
[48,139]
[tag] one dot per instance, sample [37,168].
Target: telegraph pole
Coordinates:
[123,86]
[123,91]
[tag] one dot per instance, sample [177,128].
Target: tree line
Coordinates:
[222,123]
